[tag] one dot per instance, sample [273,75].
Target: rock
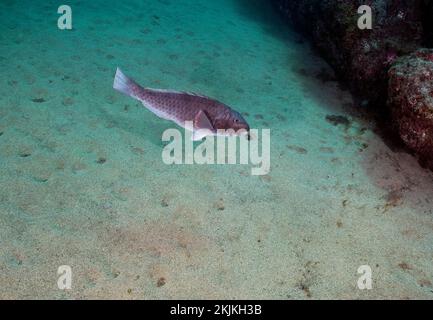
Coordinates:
[38,100]
[382,66]
[361,58]
[411,102]
[101,160]
[161,281]
[219,205]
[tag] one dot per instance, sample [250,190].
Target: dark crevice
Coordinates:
[427,9]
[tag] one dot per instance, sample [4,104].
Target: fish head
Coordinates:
[232,121]
[238,122]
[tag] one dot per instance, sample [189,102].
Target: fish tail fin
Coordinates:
[126,85]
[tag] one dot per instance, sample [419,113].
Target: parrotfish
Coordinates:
[202,115]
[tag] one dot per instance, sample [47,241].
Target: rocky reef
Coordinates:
[411,102]
[383,67]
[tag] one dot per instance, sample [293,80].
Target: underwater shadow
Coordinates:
[385,161]
[382,156]
[389,165]
[265,15]
[397,172]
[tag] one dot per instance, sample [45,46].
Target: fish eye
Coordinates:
[236,120]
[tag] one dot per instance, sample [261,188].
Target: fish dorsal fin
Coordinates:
[202,126]
[195,94]
[178,92]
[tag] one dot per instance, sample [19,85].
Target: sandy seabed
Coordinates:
[82,182]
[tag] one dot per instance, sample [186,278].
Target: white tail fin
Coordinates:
[125,85]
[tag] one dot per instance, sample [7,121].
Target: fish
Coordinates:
[200,114]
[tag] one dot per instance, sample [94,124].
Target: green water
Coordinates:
[82,182]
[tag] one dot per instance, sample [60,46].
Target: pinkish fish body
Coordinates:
[206,115]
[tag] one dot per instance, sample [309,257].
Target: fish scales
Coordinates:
[184,107]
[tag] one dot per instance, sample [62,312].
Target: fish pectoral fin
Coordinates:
[201,121]
[202,126]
